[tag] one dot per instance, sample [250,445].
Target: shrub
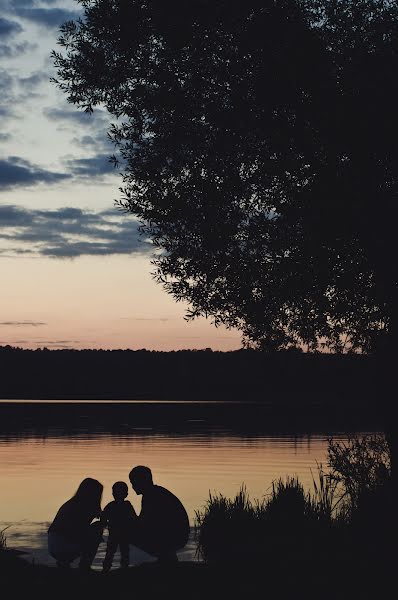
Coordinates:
[358,467]
[361,468]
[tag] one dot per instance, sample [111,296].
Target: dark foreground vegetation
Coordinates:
[339,577]
[291,376]
[332,543]
[349,511]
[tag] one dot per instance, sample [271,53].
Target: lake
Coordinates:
[193,448]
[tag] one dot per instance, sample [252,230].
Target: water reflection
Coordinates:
[43,462]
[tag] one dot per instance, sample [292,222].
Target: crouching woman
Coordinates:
[73,534]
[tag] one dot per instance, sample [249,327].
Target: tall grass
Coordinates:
[241,527]
[359,466]
[225,523]
[348,489]
[3,540]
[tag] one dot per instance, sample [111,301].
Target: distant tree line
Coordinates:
[293,377]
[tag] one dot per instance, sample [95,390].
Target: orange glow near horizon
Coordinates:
[97,302]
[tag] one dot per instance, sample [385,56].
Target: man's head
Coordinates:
[120,490]
[141,479]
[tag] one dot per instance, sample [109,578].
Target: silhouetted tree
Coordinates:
[259,148]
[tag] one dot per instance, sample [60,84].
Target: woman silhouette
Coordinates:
[72,534]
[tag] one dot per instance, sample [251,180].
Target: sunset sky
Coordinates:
[74,271]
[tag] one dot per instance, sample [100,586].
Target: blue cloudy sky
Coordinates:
[74,271]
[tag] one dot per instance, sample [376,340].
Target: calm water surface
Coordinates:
[41,465]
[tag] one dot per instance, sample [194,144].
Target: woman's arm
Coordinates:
[104,516]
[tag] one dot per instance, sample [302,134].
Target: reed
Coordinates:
[3,540]
[352,490]
[223,522]
[241,527]
[358,466]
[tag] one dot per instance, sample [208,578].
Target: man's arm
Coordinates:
[131,510]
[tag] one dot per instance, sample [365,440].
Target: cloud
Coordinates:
[15,171]
[46,17]
[9,28]
[67,214]
[57,342]
[6,51]
[98,118]
[97,140]
[90,167]
[68,233]
[5,137]
[5,111]
[7,98]
[76,249]
[89,131]
[6,85]
[22,323]
[13,50]
[60,344]
[162,319]
[28,3]
[34,80]
[13,216]
[85,141]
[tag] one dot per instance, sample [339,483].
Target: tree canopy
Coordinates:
[258,142]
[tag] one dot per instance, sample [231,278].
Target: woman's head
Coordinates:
[89,493]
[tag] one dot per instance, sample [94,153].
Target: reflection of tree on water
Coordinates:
[288,415]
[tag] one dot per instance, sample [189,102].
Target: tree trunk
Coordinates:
[389,374]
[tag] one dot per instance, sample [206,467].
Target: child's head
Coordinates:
[120,490]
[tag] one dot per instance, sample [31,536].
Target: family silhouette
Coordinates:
[161,528]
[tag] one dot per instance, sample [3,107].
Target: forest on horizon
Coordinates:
[294,377]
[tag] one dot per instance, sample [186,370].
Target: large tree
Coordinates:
[258,142]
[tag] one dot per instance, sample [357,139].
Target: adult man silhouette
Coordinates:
[162,527]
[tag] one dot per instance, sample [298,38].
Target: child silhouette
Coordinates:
[118,516]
